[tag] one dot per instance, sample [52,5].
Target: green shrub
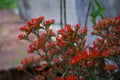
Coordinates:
[7,4]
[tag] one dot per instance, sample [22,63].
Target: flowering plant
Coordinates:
[64,55]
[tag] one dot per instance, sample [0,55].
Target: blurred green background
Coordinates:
[8,4]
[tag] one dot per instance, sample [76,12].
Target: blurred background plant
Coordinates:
[8,4]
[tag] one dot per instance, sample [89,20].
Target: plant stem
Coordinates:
[78,76]
[61,12]
[65,21]
[88,10]
[91,75]
[32,76]
[33,70]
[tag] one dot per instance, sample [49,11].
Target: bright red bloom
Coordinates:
[109,67]
[62,43]
[22,28]
[48,22]
[50,32]
[40,19]
[90,63]
[21,36]
[58,38]
[71,51]
[68,28]
[84,29]
[52,51]
[77,26]
[40,45]
[31,50]
[59,78]
[20,67]
[105,54]
[25,28]
[93,54]
[61,31]
[74,60]
[85,55]
[24,61]
[37,68]
[71,77]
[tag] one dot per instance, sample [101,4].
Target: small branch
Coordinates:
[32,76]
[91,75]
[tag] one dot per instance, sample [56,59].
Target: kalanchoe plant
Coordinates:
[63,55]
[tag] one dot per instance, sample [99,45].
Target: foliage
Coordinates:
[96,10]
[7,4]
[63,55]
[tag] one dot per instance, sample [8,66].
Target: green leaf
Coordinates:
[94,14]
[100,9]
[101,12]
[90,78]
[93,20]
[97,3]
[65,74]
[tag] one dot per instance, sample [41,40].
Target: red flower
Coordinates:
[52,52]
[71,77]
[48,22]
[68,28]
[40,45]
[109,67]
[21,36]
[61,31]
[59,78]
[24,61]
[84,54]
[37,68]
[31,50]
[71,51]
[40,19]
[20,67]
[74,60]
[62,43]
[77,26]
[105,54]
[50,32]
[90,63]
[84,29]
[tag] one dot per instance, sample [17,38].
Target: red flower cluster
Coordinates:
[48,22]
[21,36]
[109,67]
[66,51]
[79,57]
[70,77]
